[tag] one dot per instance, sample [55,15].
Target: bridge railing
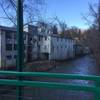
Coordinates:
[20,83]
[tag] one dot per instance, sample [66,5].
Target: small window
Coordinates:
[39,38]
[15,36]
[24,37]
[15,46]
[45,47]
[9,57]
[45,38]
[8,35]
[9,47]
[52,48]
[24,47]
[15,56]
[30,39]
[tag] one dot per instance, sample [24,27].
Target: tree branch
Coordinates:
[6,13]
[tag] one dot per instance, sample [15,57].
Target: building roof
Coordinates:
[41,34]
[60,36]
[8,28]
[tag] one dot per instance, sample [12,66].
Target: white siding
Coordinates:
[8,57]
[55,47]
[35,47]
[3,52]
[0,48]
[61,48]
[45,45]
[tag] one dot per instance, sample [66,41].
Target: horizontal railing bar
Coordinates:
[48,85]
[53,75]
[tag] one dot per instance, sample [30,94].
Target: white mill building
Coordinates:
[37,46]
[56,47]
[8,46]
[52,46]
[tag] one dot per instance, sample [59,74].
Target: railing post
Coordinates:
[19,43]
[97,93]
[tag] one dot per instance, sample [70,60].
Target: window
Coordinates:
[9,47]
[30,39]
[15,56]
[9,57]
[24,47]
[8,35]
[39,38]
[15,36]
[45,38]
[24,37]
[57,39]
[15,46]
[45,47]
[52,48]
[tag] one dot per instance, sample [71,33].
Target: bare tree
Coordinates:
[62,25]
[93,34]
[32,10]
[94,13]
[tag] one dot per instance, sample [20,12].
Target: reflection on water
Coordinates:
[83,66]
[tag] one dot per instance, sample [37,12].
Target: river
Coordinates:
[83,66]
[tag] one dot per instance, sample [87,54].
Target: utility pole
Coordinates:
[20,43]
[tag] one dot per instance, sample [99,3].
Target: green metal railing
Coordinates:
[19,82]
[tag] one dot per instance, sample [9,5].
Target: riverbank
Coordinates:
[82,66]
[34,66]
[40,66]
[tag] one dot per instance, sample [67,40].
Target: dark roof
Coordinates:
[8,28]
[53,35]
[60,36]
[5,28]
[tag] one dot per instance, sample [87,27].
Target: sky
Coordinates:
[69,11]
